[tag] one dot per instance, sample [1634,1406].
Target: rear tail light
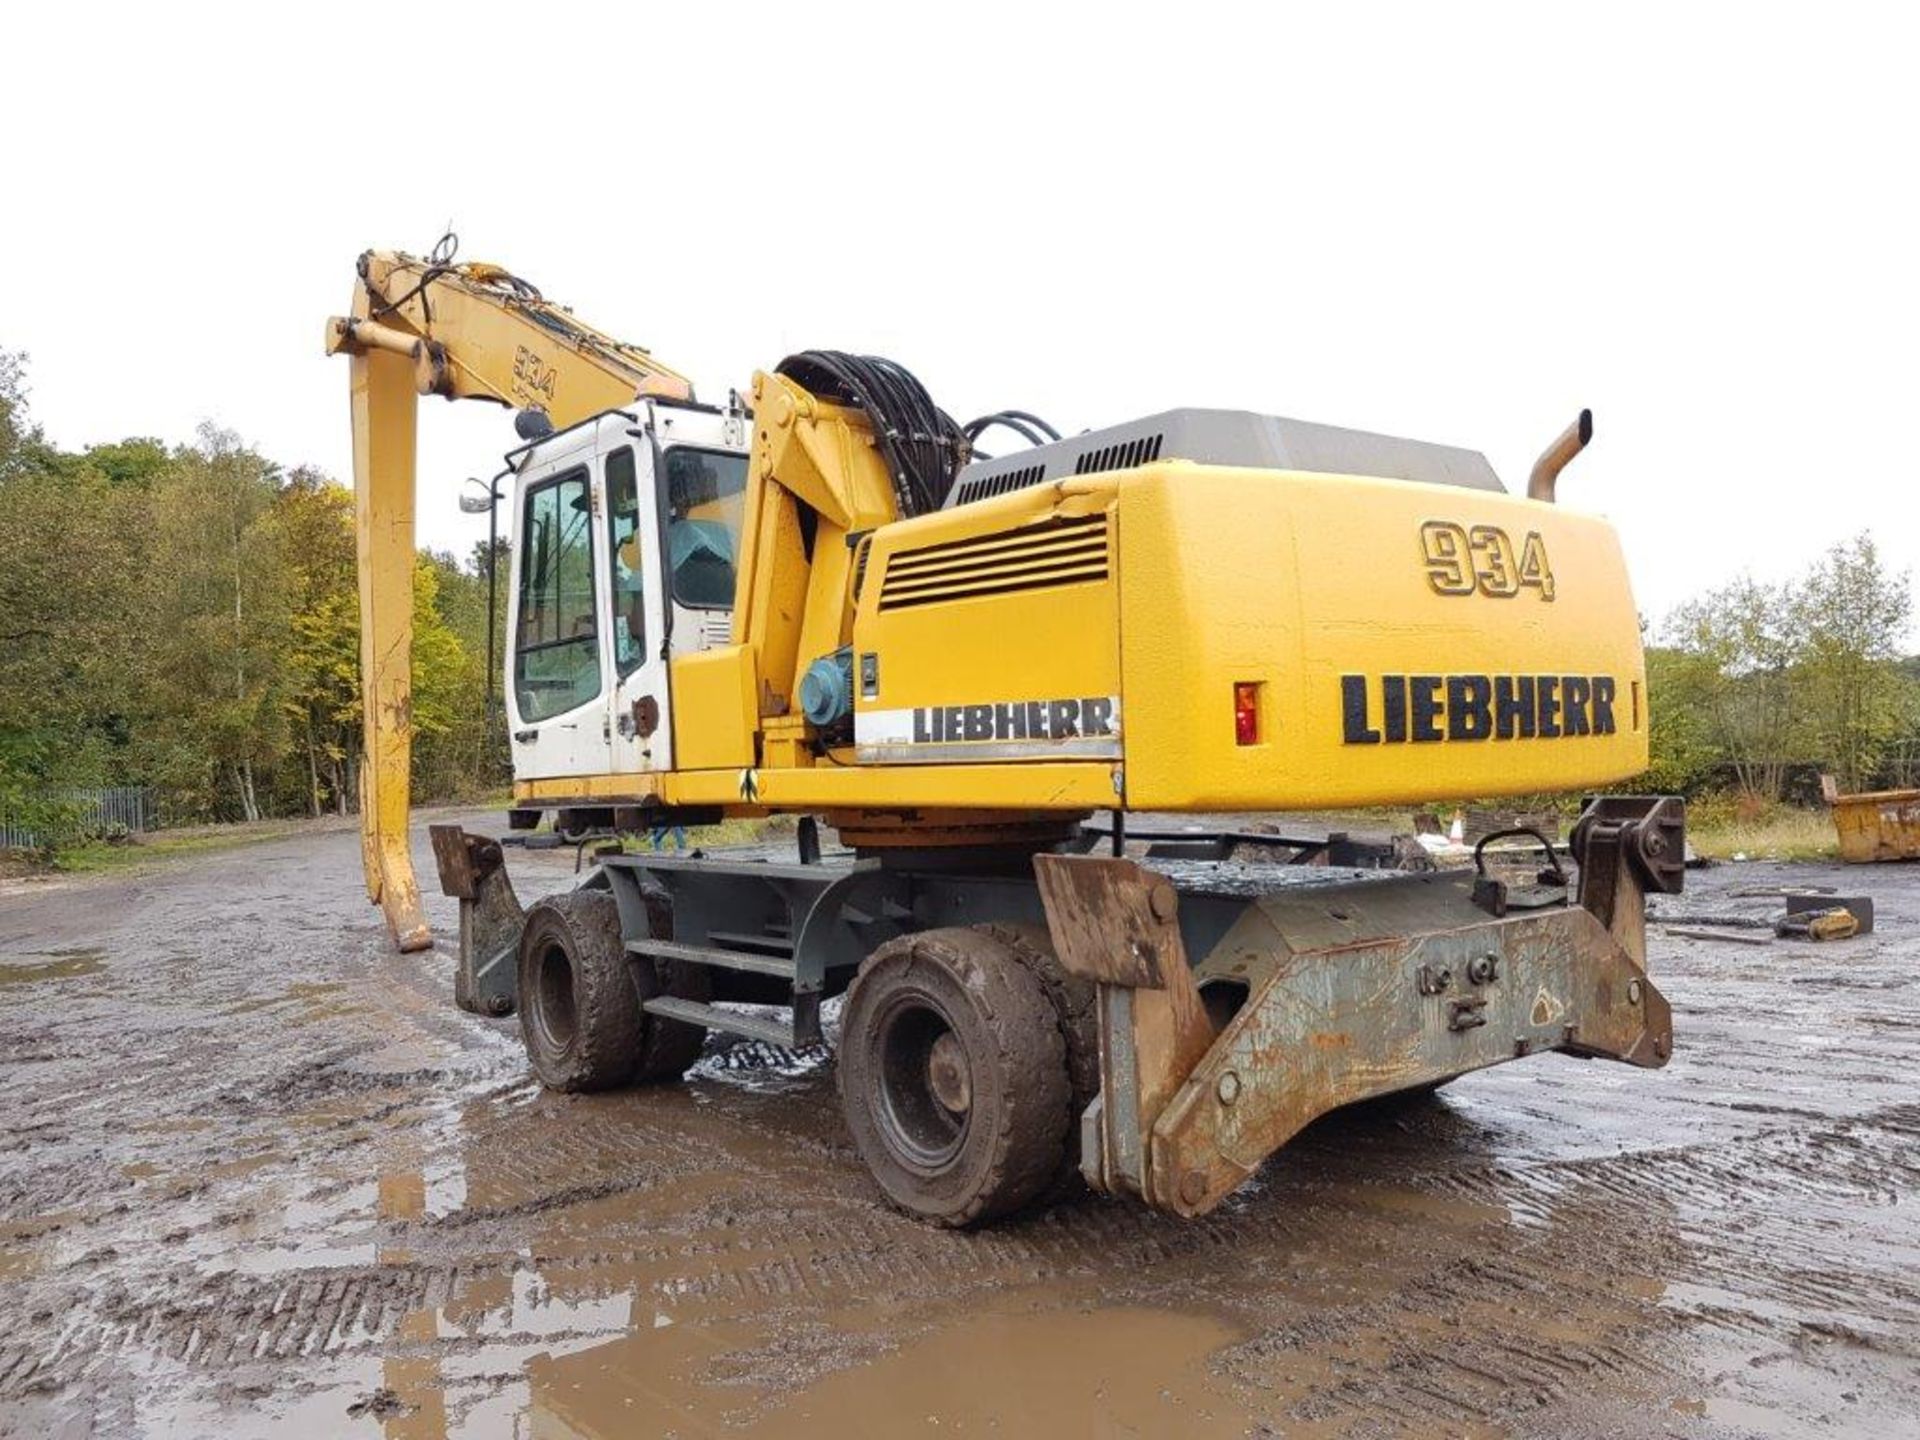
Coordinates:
[1246,712]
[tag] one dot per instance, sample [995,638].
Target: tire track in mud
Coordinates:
[1517,1257]
[1468,1374]
[1866,1158]
[801,1249]
[200,1090]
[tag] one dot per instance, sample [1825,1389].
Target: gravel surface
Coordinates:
[258,1177]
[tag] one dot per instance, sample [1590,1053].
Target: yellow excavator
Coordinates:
[823,599]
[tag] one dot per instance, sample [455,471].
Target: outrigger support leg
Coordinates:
[473,871]
[1353,991]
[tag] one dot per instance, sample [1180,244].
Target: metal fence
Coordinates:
[128,809]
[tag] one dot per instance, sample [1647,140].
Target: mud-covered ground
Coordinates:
[258,1177]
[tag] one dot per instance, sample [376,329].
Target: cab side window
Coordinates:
[556,664]
[623,544]
[706,501]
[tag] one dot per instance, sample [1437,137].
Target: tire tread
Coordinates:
[1028,1068]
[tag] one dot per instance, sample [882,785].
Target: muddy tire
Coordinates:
[579,1013]
[953,1076]
[1075,1009]
[581,993]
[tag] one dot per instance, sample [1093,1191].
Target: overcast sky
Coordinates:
[1701,223]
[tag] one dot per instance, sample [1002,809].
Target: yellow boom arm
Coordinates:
[473,331]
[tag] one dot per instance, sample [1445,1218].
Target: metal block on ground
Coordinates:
[1858,906]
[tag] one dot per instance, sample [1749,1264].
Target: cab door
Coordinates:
[557,703]
[637,719]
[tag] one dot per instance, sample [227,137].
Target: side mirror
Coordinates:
[483,502]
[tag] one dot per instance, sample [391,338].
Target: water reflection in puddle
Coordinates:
[1125,1371]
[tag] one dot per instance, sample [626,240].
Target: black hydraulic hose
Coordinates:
[922,446]
[976,428]
[1023,421]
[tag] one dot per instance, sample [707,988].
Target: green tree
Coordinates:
[189,619]
[1743,639]
[494,564]
[68,544]
[446,678]
[1901,769]
[320,693]
[139,463]
[13,407]
[1683,751]
[1850,615]
[213,719]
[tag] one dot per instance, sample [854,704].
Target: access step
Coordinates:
[767,941]
[732,1022]
[771,961]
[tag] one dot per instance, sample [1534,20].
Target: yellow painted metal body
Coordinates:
[1878,825]
[473,332]
[464,332]
[1064,648]
[1205,577]
[383,459]
[1296,581]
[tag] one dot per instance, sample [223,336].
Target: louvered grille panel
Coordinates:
[1143,450]
[860,567]
[1071,552]
[1003,484]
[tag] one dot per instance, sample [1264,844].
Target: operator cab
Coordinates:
[625,537]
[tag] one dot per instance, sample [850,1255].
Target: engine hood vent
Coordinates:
[1067,552]
[1227,437]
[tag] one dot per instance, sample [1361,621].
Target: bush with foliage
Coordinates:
[188,619]
[1752,681]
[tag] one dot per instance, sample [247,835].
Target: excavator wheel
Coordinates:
[953,1076]
[1075,1008]
[580,1000]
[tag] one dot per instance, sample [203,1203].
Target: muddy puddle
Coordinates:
[51,965]
[1103,1372]
[291,1192]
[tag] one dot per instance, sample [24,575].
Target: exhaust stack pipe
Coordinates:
[1557,456]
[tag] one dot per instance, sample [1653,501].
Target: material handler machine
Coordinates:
[820,600]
